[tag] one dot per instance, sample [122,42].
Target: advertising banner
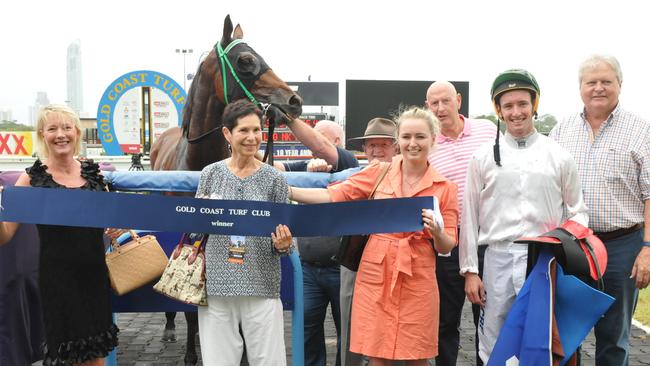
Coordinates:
[126,121]
[17,143]
[163,113]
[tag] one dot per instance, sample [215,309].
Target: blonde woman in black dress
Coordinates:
[73,279]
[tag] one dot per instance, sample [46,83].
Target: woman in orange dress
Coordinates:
[395,309]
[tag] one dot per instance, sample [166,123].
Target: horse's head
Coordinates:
[231,71]
[247,75]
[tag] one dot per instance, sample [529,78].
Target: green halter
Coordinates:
[224,61]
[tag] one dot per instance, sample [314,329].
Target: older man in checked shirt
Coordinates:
[612,150]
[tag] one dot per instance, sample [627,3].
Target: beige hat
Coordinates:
[377,128]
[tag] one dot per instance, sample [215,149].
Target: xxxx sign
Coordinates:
[16,143]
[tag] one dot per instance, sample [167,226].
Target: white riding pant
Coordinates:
[262,326]
[504,273]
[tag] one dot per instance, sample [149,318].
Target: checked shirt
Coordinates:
[614,166]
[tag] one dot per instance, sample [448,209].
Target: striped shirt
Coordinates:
[450,158]
[614,166]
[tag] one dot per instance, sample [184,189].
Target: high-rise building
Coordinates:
[74,77]
[5,114]
[41,101]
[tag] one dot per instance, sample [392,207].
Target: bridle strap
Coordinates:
[223,60]
[268,152]
[202,136]
[223,53]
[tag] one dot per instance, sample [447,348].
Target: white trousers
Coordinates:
[504,273]
[261,323]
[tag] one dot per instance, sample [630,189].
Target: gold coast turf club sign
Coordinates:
[126,115]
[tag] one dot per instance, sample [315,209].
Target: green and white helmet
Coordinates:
[514,79]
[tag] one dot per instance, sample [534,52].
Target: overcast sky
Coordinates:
[330,40]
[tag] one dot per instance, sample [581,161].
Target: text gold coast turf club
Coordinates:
[221,211]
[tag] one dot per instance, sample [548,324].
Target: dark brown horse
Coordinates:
[232,70]
[199,141]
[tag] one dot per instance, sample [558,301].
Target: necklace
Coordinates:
[411,184]
[414,182]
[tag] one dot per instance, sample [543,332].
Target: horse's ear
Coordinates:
[239,33]
[227,30]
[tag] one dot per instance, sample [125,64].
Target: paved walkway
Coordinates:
[141,333]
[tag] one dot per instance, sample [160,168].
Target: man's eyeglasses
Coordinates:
[378,146]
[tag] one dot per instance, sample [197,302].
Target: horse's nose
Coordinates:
[295,101]
[295,105]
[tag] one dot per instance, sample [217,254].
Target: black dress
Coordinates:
[73,282]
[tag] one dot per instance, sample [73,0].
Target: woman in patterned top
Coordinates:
[73,279]
[243,273]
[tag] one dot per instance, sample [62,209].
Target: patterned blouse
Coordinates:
[259,275]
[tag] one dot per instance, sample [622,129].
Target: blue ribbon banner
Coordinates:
[73,207]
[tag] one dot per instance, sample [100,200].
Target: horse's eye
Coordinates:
[248,64]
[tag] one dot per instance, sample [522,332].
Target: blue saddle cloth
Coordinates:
[526,333]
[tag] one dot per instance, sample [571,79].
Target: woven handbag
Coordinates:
[352,246]
[136,263]
[184,276]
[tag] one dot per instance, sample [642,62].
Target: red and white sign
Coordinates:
[17,143]
[163,113]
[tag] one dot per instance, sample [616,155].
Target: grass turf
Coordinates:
[642,312]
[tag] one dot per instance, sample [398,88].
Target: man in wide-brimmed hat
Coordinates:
[378,142]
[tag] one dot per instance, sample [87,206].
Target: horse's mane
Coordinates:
[202,101]
[187,109]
